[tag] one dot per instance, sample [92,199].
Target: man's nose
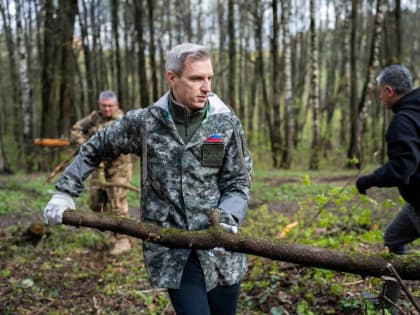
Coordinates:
[206,86]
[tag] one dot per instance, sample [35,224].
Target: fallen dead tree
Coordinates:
[408,267]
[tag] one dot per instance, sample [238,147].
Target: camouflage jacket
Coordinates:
[84,128]
[115,171]
[184,181]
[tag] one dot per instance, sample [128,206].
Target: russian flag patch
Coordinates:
[216,138]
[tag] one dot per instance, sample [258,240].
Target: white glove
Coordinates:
[60,202]
[230,228]
[221,251]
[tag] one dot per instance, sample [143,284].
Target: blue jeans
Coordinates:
[192,299]
[403,229]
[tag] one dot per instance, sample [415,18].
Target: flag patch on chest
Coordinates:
[216,138]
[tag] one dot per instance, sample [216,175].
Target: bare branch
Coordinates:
[356,263]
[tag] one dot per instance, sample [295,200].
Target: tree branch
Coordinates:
[356,263]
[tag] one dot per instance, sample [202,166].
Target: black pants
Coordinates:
[192,299]
[403,229]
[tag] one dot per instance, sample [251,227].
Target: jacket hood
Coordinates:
[410,101]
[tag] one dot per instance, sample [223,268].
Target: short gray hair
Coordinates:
[178,54]
[108,94]
[398,77]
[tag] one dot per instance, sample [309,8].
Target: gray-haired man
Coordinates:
[402,169]
[111,198]
[194,158]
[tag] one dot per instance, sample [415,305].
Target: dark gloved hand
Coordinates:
[363,183]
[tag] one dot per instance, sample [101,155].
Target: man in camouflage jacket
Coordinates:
[111,197]
[194,158]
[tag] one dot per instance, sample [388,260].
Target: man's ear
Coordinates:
[170,76]
[389,90]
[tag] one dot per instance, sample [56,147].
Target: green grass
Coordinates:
[329,213]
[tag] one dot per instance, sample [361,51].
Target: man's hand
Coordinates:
[230,228]
[60,202]
[220,251]
[363,183]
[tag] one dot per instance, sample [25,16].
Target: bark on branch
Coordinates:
[356,263]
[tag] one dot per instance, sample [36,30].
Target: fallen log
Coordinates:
[408,267]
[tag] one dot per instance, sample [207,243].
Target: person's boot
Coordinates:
[121,246]
[390,291]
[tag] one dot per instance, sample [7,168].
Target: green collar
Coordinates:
[180,115]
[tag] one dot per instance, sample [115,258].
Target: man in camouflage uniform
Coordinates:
[194,158]
[110,198]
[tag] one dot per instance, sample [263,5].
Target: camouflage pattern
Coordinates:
[179,191]
[118,171]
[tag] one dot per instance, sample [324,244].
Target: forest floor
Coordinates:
[70,270]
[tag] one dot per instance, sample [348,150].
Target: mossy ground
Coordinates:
[70,271]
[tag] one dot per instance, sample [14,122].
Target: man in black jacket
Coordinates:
[402,168]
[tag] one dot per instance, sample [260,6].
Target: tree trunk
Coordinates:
[353,85]
[314,93]
[232,55]
[365,102]
[129,55]
[95,49]
[13,72]
[398,36]
[4,165]
[187,19]
[49,79]
[329,63]
[87,53]
[275,86]
[343,91]
[200,22]
[244,67]
[144,87]
[115,33]
[222,41]
[287,155]
[266,111]
[362,264]
[67,13]
[300,57]
[152,50]
[25,91]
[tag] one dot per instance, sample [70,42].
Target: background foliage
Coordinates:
[298,73]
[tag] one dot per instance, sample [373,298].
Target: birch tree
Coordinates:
[365,102]
[25,90]
[275,86]
[287,156]
[314,93]
[343,91]
[353,84]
